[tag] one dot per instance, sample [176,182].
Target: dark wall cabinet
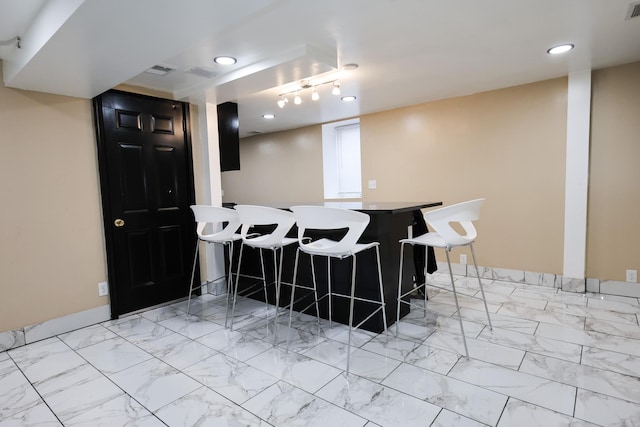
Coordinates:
[228,136]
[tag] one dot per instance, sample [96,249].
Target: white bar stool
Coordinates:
[274,240]
[224,222]
[325,218]
[447,238]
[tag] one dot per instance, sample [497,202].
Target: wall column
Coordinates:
[208,119]
[577,174]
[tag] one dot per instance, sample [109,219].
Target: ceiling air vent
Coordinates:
[160,70]
[634,10]
[202,72]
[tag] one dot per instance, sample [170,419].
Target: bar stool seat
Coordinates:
[446,237]
[224,222]
[325,218]
[274,240]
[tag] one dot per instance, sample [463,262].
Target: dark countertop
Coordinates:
[367,207]
[382,207]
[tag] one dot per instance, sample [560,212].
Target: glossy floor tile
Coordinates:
[553,358]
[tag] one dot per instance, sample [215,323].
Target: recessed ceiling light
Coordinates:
[269,116]
[224,60]
[348,98]
[560,49]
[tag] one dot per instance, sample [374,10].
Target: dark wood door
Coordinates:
[146,179]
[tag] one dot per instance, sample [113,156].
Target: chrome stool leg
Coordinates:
[475,264]
[384,311]
[455,297]
[399,303]
[353,294]
[235,291]
[193,273]
[229,283]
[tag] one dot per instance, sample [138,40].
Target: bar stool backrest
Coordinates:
[326,218]
[217,216]
[251,215]
[462,213]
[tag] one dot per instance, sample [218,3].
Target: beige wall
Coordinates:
[277,167]
[52,250]
[51,241]
[506,145]
[613,230]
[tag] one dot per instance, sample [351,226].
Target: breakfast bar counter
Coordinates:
[390,222]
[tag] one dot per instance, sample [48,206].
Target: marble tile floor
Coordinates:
[552,359]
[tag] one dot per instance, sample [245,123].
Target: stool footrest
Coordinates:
[423,285]
[370,316]
[457,292]
[373,301]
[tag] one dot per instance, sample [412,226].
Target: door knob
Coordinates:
[118,222]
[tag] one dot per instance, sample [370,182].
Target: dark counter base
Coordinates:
[387,228]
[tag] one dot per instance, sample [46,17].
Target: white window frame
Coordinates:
[332,162]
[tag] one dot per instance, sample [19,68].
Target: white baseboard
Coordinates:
[11,339]
[625,289]
[51,328]
[520,276]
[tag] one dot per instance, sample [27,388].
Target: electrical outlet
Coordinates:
[463,259]
[103,289]
[372,184]
[632,276]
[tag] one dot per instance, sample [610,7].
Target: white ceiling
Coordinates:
[408,51]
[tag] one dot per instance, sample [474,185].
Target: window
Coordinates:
[341,160]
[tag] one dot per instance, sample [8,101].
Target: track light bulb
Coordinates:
[297,100]
[336,88]
[314,95]
[281,102]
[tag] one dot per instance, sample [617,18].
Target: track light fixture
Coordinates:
[305,84]
[13,40]
[336,88]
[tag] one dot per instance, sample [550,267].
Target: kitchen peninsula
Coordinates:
[390,222]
